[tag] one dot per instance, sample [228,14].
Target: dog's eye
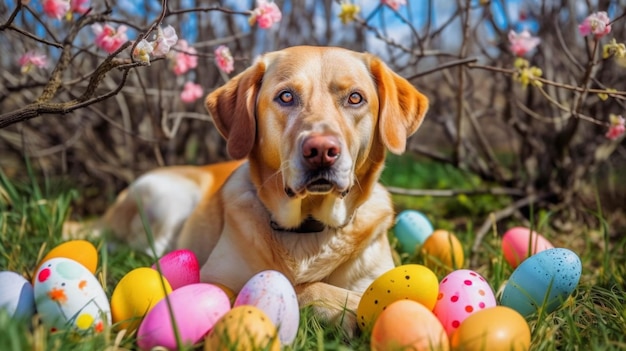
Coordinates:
[355,99]
[286,98]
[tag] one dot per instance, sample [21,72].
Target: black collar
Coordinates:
[310,225]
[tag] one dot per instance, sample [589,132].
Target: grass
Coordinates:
[594,318]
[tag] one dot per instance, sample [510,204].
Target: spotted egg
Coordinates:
[67,294]
[545,279]
[272,293]
[411,282]
[462,293]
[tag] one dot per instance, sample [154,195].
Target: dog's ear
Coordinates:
[401,106]
[233,108]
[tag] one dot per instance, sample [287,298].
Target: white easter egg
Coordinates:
[68,294]
[16,295]
[274,294]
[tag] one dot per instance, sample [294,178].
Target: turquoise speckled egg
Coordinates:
[545,279]
[412,228]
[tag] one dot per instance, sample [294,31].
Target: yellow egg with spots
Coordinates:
[243,328]
[443,249]
[407,282]
[135,295]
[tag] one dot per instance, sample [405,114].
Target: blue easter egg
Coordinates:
[545,279]
[16,295]
[412,228]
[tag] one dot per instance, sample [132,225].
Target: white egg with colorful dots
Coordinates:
[274,294]
[462,293]
[68,295]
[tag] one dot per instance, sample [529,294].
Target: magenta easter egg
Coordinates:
[180,268]
[519,243]
[196,309]
[272,292]
[462,293]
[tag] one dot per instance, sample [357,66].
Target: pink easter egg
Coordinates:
[180,268]
[519,243]
[462,293]
[196,309]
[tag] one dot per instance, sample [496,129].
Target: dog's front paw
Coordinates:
[331,304]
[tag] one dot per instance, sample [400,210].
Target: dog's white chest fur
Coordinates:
[314,254]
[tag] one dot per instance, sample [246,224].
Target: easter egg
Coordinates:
[67,293]
[180,268]
[496,328]
[545,279]
[16,295]
[81,251]
[196,309]
[412,228]
[243,328]
[135,295]
[411,281]
[408,325]
[443,249]
[272,292]
[462,293]
[519,243]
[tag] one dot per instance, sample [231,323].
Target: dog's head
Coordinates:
[315,123]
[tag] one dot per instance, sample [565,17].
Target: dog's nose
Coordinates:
[321,150]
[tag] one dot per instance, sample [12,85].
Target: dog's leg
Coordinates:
[163,200]
[331,303]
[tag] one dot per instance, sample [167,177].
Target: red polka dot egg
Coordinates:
[462,293]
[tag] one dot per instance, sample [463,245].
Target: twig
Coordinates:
[443,66]
[454,192]
[612,93]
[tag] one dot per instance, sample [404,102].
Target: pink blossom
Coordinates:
[56,8]
[394,4]
[522,43]
[617,128]
[596,24]
[165,39]
[79,6]
[191,92]
[109,39]
[224,59]
[265,14]
[32,59]
[185,59]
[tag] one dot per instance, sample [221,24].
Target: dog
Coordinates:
[308,128]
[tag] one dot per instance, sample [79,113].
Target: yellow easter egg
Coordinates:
[407,282]
[81,251]
[243,328]
[496,328]
[135,294]
[443,249]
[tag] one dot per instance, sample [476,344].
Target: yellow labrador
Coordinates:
[313,125]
